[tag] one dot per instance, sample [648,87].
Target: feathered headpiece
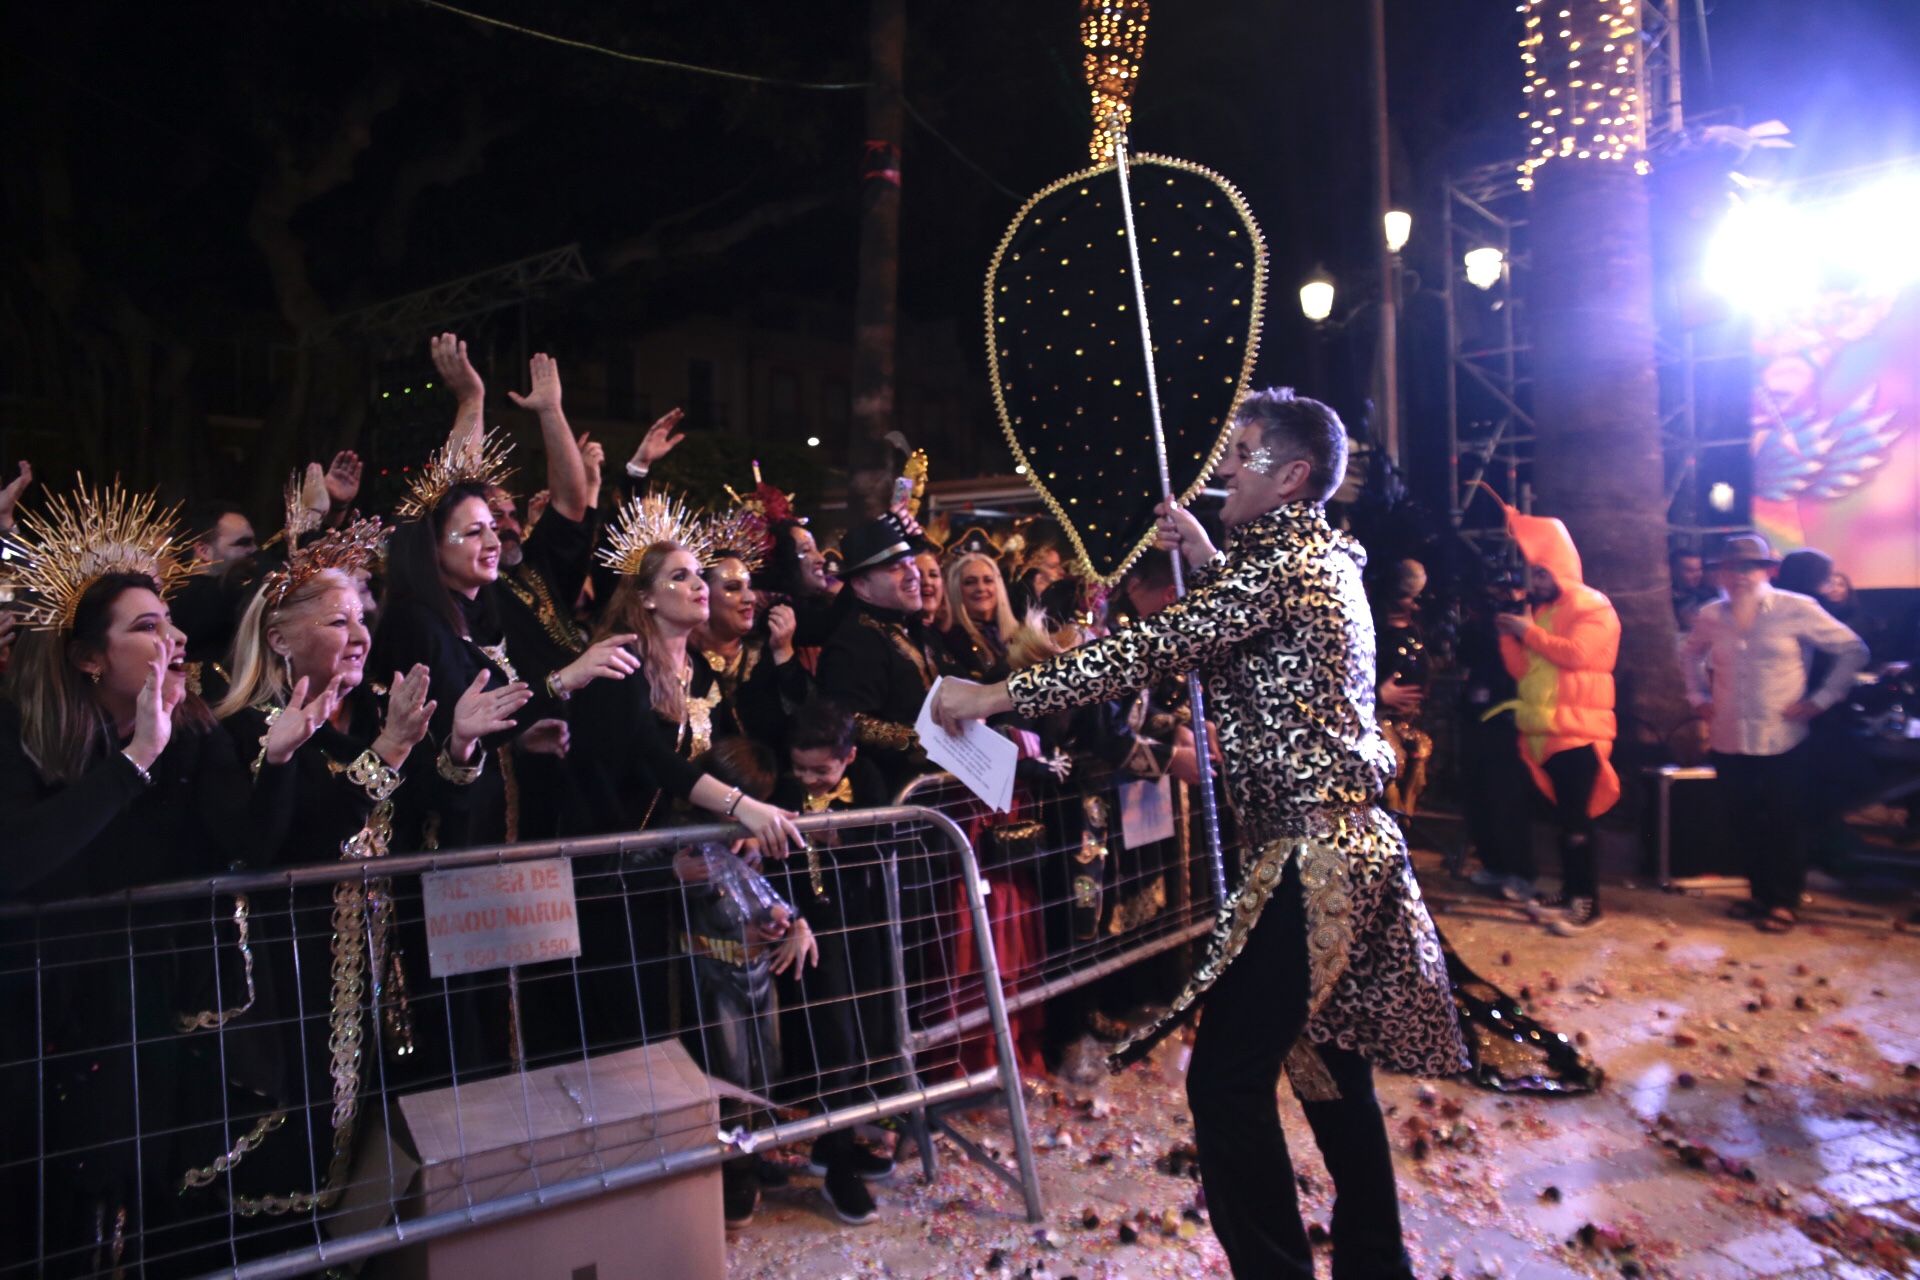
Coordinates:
[652,518]
[766,501]
[55,555]
[473,459]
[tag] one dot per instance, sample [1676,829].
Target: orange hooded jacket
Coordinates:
[1564,663]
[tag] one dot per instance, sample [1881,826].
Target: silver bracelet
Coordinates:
[638,470]
[733,800]
[147,777]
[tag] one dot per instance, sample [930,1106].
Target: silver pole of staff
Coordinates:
[1196,697]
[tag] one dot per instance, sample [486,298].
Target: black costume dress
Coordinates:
[120,999]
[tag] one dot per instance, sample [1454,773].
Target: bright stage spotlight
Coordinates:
[1770,256]
[1764,258]
[1871,237]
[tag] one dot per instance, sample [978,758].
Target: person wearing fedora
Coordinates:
[879,661]
[1747,662]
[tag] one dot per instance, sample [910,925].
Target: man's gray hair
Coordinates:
[1295,428]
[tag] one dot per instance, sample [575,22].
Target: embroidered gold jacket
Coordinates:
[1280,629]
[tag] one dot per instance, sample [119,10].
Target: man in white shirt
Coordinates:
[1746,662]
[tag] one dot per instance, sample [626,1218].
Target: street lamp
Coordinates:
[1484,266]
[1316,296]
[1399,228]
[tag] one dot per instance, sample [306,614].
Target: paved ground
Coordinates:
[1762,1118]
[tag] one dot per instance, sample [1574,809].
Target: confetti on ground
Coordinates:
[1761,1118]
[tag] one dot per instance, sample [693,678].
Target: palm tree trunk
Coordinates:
[1598,463]
[876,302]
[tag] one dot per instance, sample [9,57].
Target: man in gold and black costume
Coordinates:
[1323,961]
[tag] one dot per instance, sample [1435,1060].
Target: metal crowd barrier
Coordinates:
[123,1074]
[1085,905]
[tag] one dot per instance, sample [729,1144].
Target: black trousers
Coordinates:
[1251,1018]
[1573,774]
[1498,795]
[1766,798]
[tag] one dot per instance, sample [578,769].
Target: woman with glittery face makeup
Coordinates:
[639,735]
[469,547]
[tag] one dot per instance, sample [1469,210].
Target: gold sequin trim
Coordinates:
[207,1020]
[530,589]
[872,731]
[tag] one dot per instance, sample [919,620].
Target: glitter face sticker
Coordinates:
[1260,460]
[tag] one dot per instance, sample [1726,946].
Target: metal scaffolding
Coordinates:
[1489,385]
[445,305]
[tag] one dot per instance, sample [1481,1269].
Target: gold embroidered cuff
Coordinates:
[871,731]
[460,775]
[371,774]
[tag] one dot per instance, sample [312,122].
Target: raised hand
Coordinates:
[545,738]
[409,713]
[456,372]
[543,371]
[10,495]
[593,456]
[343,479]
[314,495]
[659,440]
[781,625]
[483,712]
[153,714]
[300,720]
[607,659]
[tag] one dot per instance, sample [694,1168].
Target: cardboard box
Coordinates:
[499,1137]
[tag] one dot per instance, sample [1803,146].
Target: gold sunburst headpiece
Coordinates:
[350,548]
[56,554]
[474,459]
[742,533]
[652,518]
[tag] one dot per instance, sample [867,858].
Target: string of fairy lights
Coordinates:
[1586,83]
[1115,35]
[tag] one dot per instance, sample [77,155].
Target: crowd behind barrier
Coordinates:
[218,1160]
[282,1127]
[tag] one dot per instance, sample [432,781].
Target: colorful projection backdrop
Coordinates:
[1836,430]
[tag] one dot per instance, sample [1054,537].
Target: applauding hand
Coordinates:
[409,713]
[482,712]
[300,720]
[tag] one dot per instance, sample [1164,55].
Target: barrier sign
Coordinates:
[482,918]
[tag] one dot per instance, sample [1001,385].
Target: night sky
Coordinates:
[160,126]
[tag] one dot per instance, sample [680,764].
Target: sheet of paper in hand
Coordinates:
[979,757]
[1063,344]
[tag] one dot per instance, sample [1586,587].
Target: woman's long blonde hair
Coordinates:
[259,676]
[627,613]
[1002,611]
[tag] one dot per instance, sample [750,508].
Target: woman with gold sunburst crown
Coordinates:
[112,775]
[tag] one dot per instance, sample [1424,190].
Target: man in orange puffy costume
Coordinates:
[1561,651]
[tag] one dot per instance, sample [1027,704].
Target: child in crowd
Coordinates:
[738,934]
[843,1045]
